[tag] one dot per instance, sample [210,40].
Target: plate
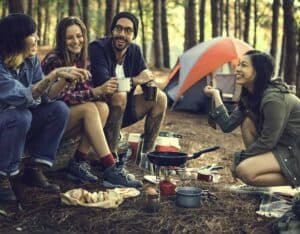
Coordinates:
[150,178]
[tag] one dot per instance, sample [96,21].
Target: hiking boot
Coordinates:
[34,176]
[6,192]
[81,171]
[116,177]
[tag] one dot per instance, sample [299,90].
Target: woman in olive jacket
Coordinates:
[269,115]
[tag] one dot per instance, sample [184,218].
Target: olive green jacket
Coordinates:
[278,126]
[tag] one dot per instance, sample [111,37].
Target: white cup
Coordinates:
[124,84]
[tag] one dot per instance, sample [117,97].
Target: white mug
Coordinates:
[124,84]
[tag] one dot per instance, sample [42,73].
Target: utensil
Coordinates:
[188,197]
[175,158]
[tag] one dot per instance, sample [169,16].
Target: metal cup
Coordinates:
[150,92]
[124,85]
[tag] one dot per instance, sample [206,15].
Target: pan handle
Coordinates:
[198,154]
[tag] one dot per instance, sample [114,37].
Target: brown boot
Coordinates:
[34,176]
[6,192]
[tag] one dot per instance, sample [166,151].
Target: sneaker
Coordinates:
[81,171]
[120,164]
[34,176]
[6,192]
[115,177]
[122,167]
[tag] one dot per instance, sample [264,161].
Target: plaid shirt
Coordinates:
[72,94]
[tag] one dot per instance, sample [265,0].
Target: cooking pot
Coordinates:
[175,158]
[188,197]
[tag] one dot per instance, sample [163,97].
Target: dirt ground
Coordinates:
[227,213]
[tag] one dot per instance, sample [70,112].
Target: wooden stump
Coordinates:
[65,152]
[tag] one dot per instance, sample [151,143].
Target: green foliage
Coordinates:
[175,18]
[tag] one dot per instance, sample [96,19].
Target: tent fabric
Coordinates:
[201,60]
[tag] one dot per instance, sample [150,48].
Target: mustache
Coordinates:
[121,38]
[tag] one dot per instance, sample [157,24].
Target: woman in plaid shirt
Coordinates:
[88,111]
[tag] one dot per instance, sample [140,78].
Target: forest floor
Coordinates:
[229,212]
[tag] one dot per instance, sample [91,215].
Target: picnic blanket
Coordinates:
[111,198]
[275,201]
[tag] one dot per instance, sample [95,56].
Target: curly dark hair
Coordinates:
[14,28]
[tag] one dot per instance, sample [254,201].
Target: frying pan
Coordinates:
[175,158]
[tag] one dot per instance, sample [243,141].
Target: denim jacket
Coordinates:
[16,86]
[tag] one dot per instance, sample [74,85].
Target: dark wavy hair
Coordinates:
[14,28]
[60,47]
[263,65]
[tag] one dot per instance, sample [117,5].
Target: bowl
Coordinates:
[188,197]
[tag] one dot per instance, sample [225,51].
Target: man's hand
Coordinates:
[143,78]
[109,87]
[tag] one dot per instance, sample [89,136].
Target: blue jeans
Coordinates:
[39,130]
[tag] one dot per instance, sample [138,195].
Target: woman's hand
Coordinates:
[109,87]
[215,94]
[72,74]
[210,91]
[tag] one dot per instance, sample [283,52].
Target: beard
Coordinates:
[120,46]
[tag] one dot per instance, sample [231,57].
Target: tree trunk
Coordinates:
[29,8]
[247,19]
[4,7]
[85,16]
[71,5]
[15,6]
[109,14]
[46,24]
[100,19]
[39,19]
[236,17]
[144,48]
[190,24]
[289,30]
[79,11]
[202,20]
[215,17]
[298,64]
[60,10]
[255,24]
[239,18]
[158,61]
[275,11]
[227,17]
[221,15]
[118,6]
[282,55]
[165,34]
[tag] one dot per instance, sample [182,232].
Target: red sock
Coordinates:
[108,160]
[80,156]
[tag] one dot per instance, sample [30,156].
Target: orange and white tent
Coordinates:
[201,60]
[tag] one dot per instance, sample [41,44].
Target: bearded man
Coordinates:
[118,57]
